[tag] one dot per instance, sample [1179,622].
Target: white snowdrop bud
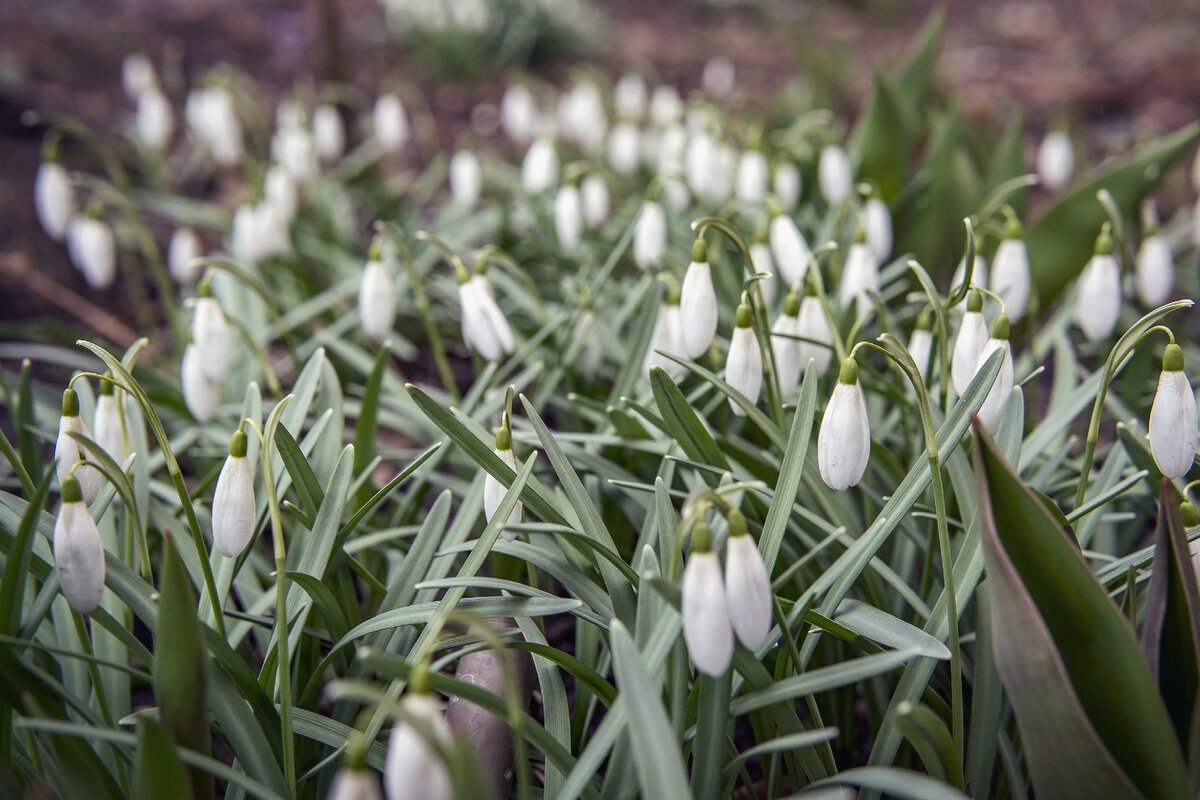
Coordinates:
[844,439]
[672,147]
[629,96]
[1010,270]
[752,177]
[78,551]
[182,253]
[351,783]
[494,490]
[971,339]
[594,191]
[466,178]
[650,237]
[1098,303]
[328,133]
[786,185]
[834,174]
[54,199]
[1173,417]
[390,122]
[743,365]
[760,254]
[665,106]
[201,395]
[233,509]
[377,300]
[414,769]
[719,76]
[280,193]
[213,122]
[707,631]
[814,325]
[624,148]
[698,303]
[243,237]
[136,74]
[68,452]
[724,170]
[539,170]
[667,335]
[155,120]
[747,585]
[787,348]
[518,113]
[700,162]
[485,328]
[211,335]
[993,404]
[920,344]
[789,249]
[1155,270]
[877,219]
[91,247]
[292,147]
[582,116]
[568,218]
[1056,160]
[860,278]
[112,432]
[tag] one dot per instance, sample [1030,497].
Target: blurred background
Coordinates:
[1115,72]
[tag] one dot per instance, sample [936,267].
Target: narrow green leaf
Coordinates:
[160,773]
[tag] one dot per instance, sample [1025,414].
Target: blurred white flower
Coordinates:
[377,301]
[623,148]
[1155,270]
[786,185]
[292,146]
[665,106]
[860,277]
[834,174]
[789,249]
[414,769]
[182,253]
[814,325]
[1056,160]
[54,198]
[747,585]
[111,430]
[92,249]
[136,74]
[877,219]
[764,264]
[212,335]
[667,335]
[279,191]
[1173,417]
[155,120]
[485,328]
[650,236]
[518,113]
[629,97]
[752,177]
[78,551]
[233,508]
[328,133]
[568,218]
[920,344]
[993,404]
[539,170]
[591,355]
[786,348]
[201,395]
[354,784]
[213,122]
[391,122]
[719,76]
[466,178]
[844,439]
[594,190]
[1010,274]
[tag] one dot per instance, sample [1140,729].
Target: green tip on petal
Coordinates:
[238,443]
[700,251]
[1104,242]
[504,439]
[701,538]
[743,316]
[975,300]
[925,320]
[860,235]
[1172,358]
[1012,224]
[762,231]
[1001,327]
[737,523]
[791,304]
[672,297]
[1191,516]
[71,493]
[70,404]
[849,372]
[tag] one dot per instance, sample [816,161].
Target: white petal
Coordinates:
[213,338]
[760,254]
[844,439]
[834,174]
[789,249]
[329,136]
[1155,271]
[109,433]
[787,353]
[200,394]
[497,323]
[233,510]
[813,324]
[568,218]
[706,627]
[539,171]
[997,397]
[1173,425]
[786,185]
[920,346]
[391,123]
[650,237]
[979,276]
[1098,303]
[1056,160]
[859,279]
[413,769]
[972,336]
[377,301]
[698,307]
[594,191]
[743,366]
[752,176]
[748,589]
[354,784]
[54,199]
[155,119]
[1010,277]
[181,253]
[877,220]
[466,178]
[494,492]
[67,454]
[79,557]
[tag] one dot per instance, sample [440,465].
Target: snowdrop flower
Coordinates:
[354,783]
[624,149]
[752,177]
[292,147]
[415,769]
[92,249]
[707,630]
[233,509]
[971,339]
[594,191]
[211,335]
[466,178]
[650,237]
[665,106]
[391,122]
[760,254]
[747,585]
[718,76]
[844,439]
[136,74]
[1056,160]
[698,303]
[200,394]
[568,217]
[743,365]
[155,120]
[182,253]
[68,452]
[54,199]
[376,299]
[877,219]
[629,96]
[78,551]
[1173,417]
[834,174]
[539,170]
[920,344]
[485,328]
[1010,271]
[813,324]
[700,163]
[494,490]
[280,193]
[213,121]
[1098,303]
[672,146]
[786,185]
[667,335]
[997,396]
[518,113]
[328,133]
[860,278]
[789,249]
[111,429]
[1155,269]
[582,116]
[787,348]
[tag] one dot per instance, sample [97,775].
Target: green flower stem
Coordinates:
[85,642]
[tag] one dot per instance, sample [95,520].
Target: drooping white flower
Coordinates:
[667,335]
[844,439]
[568,217]
[629,96]
[698,303]
[752,176]
[834,174]
[92,249]
[787,348]
[1098,303]
[789,249]
[201,395]
[112,432]
[54,199]
[594,191]
[233,509]
[354,784]
[485,328]
[391,122]
[718,76]
[920,344]
[860,278]
[665,105]
[786,185]
[78,551]
[280,193]
[764,264]
[182,253]
[466,178]
[539,170]
[213,122]
[377,300]
[414,769]
[1155,270]
[1056,160]
[700,163]
[1010,276]
[582,116]
[877,219]
[494,490]
[707,631]
[814,325]
[155,119]
[650,237]
[672,147]
[212,335]
[971,339]
[68,452]
[136,74]
[747,585]
[743,365]
[292,146]
[1173,417]
[993,404]
[518,113]
[328,133]
[624,148]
